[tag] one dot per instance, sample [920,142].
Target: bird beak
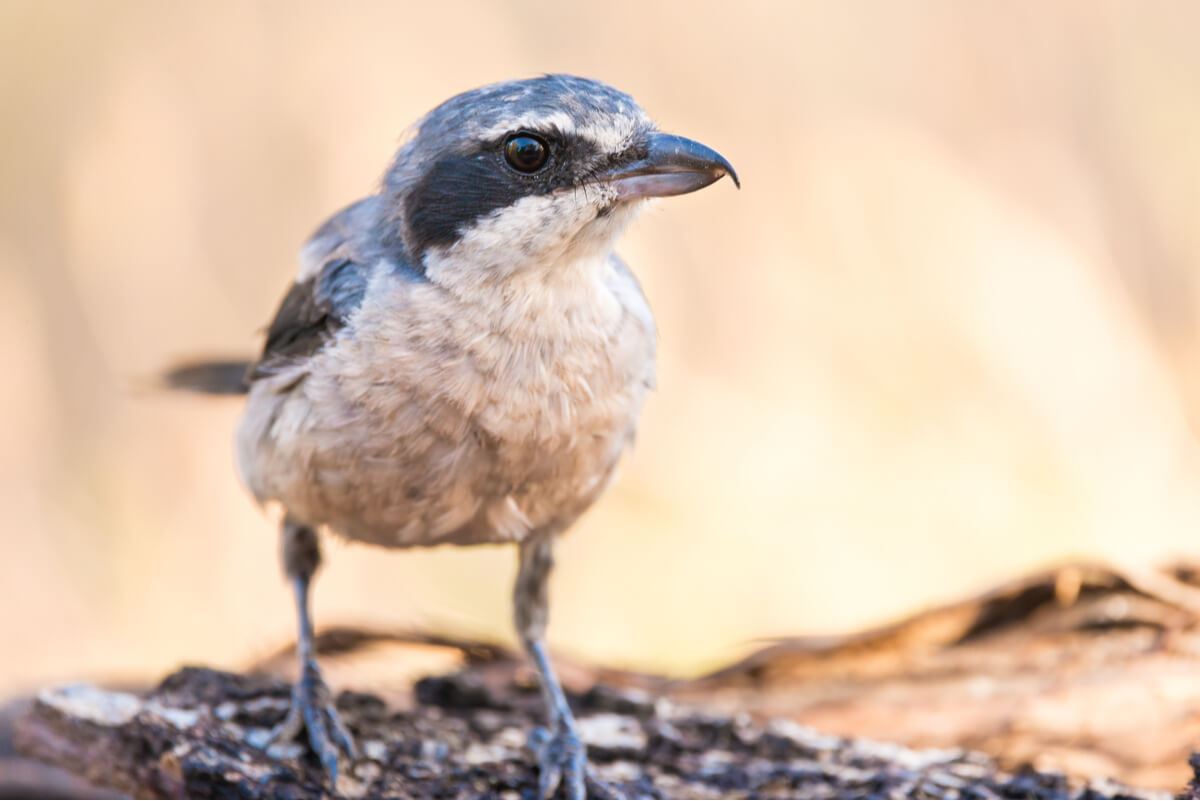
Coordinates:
[672,166]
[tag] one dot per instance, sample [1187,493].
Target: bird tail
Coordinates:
[210,376]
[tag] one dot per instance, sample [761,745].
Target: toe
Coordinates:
[318,739]
[561,760]
[289,727]
[314,711]
[574,761]
[340,734]
[576,775]
[549,775]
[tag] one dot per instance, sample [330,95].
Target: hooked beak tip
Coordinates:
[672,165]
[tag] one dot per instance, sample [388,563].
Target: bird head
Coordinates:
[534,174]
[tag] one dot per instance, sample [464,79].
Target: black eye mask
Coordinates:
[459,188]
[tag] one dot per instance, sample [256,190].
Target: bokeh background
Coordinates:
[946,333]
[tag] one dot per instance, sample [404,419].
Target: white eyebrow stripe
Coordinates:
[557,119]
[610,134]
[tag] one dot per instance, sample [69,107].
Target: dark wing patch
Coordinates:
[310,314]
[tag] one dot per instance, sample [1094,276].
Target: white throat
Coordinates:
[537,265]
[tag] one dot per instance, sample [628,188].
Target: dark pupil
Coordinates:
[525,153]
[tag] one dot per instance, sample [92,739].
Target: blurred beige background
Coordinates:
[946,333]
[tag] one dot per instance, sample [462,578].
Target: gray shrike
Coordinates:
[462,358]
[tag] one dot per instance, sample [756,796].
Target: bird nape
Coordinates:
[462,358]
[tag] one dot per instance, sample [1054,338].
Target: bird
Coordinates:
[462,359]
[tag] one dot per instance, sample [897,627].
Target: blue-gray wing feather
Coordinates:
[336,267]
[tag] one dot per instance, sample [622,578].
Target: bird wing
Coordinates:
[335,267]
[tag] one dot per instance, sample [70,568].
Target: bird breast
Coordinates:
[433,418]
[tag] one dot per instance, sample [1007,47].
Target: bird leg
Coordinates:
[560,754]
[312,705]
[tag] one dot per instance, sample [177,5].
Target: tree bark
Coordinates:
[197,735]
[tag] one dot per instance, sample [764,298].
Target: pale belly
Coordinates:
[433,421]
[407,465]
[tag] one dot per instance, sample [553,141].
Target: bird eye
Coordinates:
[526,152]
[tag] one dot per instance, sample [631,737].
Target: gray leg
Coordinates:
[560,753]
[312,707]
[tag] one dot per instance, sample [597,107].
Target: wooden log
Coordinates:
[198,734]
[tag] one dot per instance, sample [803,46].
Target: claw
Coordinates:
[341,736]
[289,728]
[561,757]
[313,709]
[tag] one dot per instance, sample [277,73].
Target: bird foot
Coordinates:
[314,709]
[562,764]
[561,759]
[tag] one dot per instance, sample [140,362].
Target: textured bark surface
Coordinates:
[194,736]
[1086,669]
[1083,670]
